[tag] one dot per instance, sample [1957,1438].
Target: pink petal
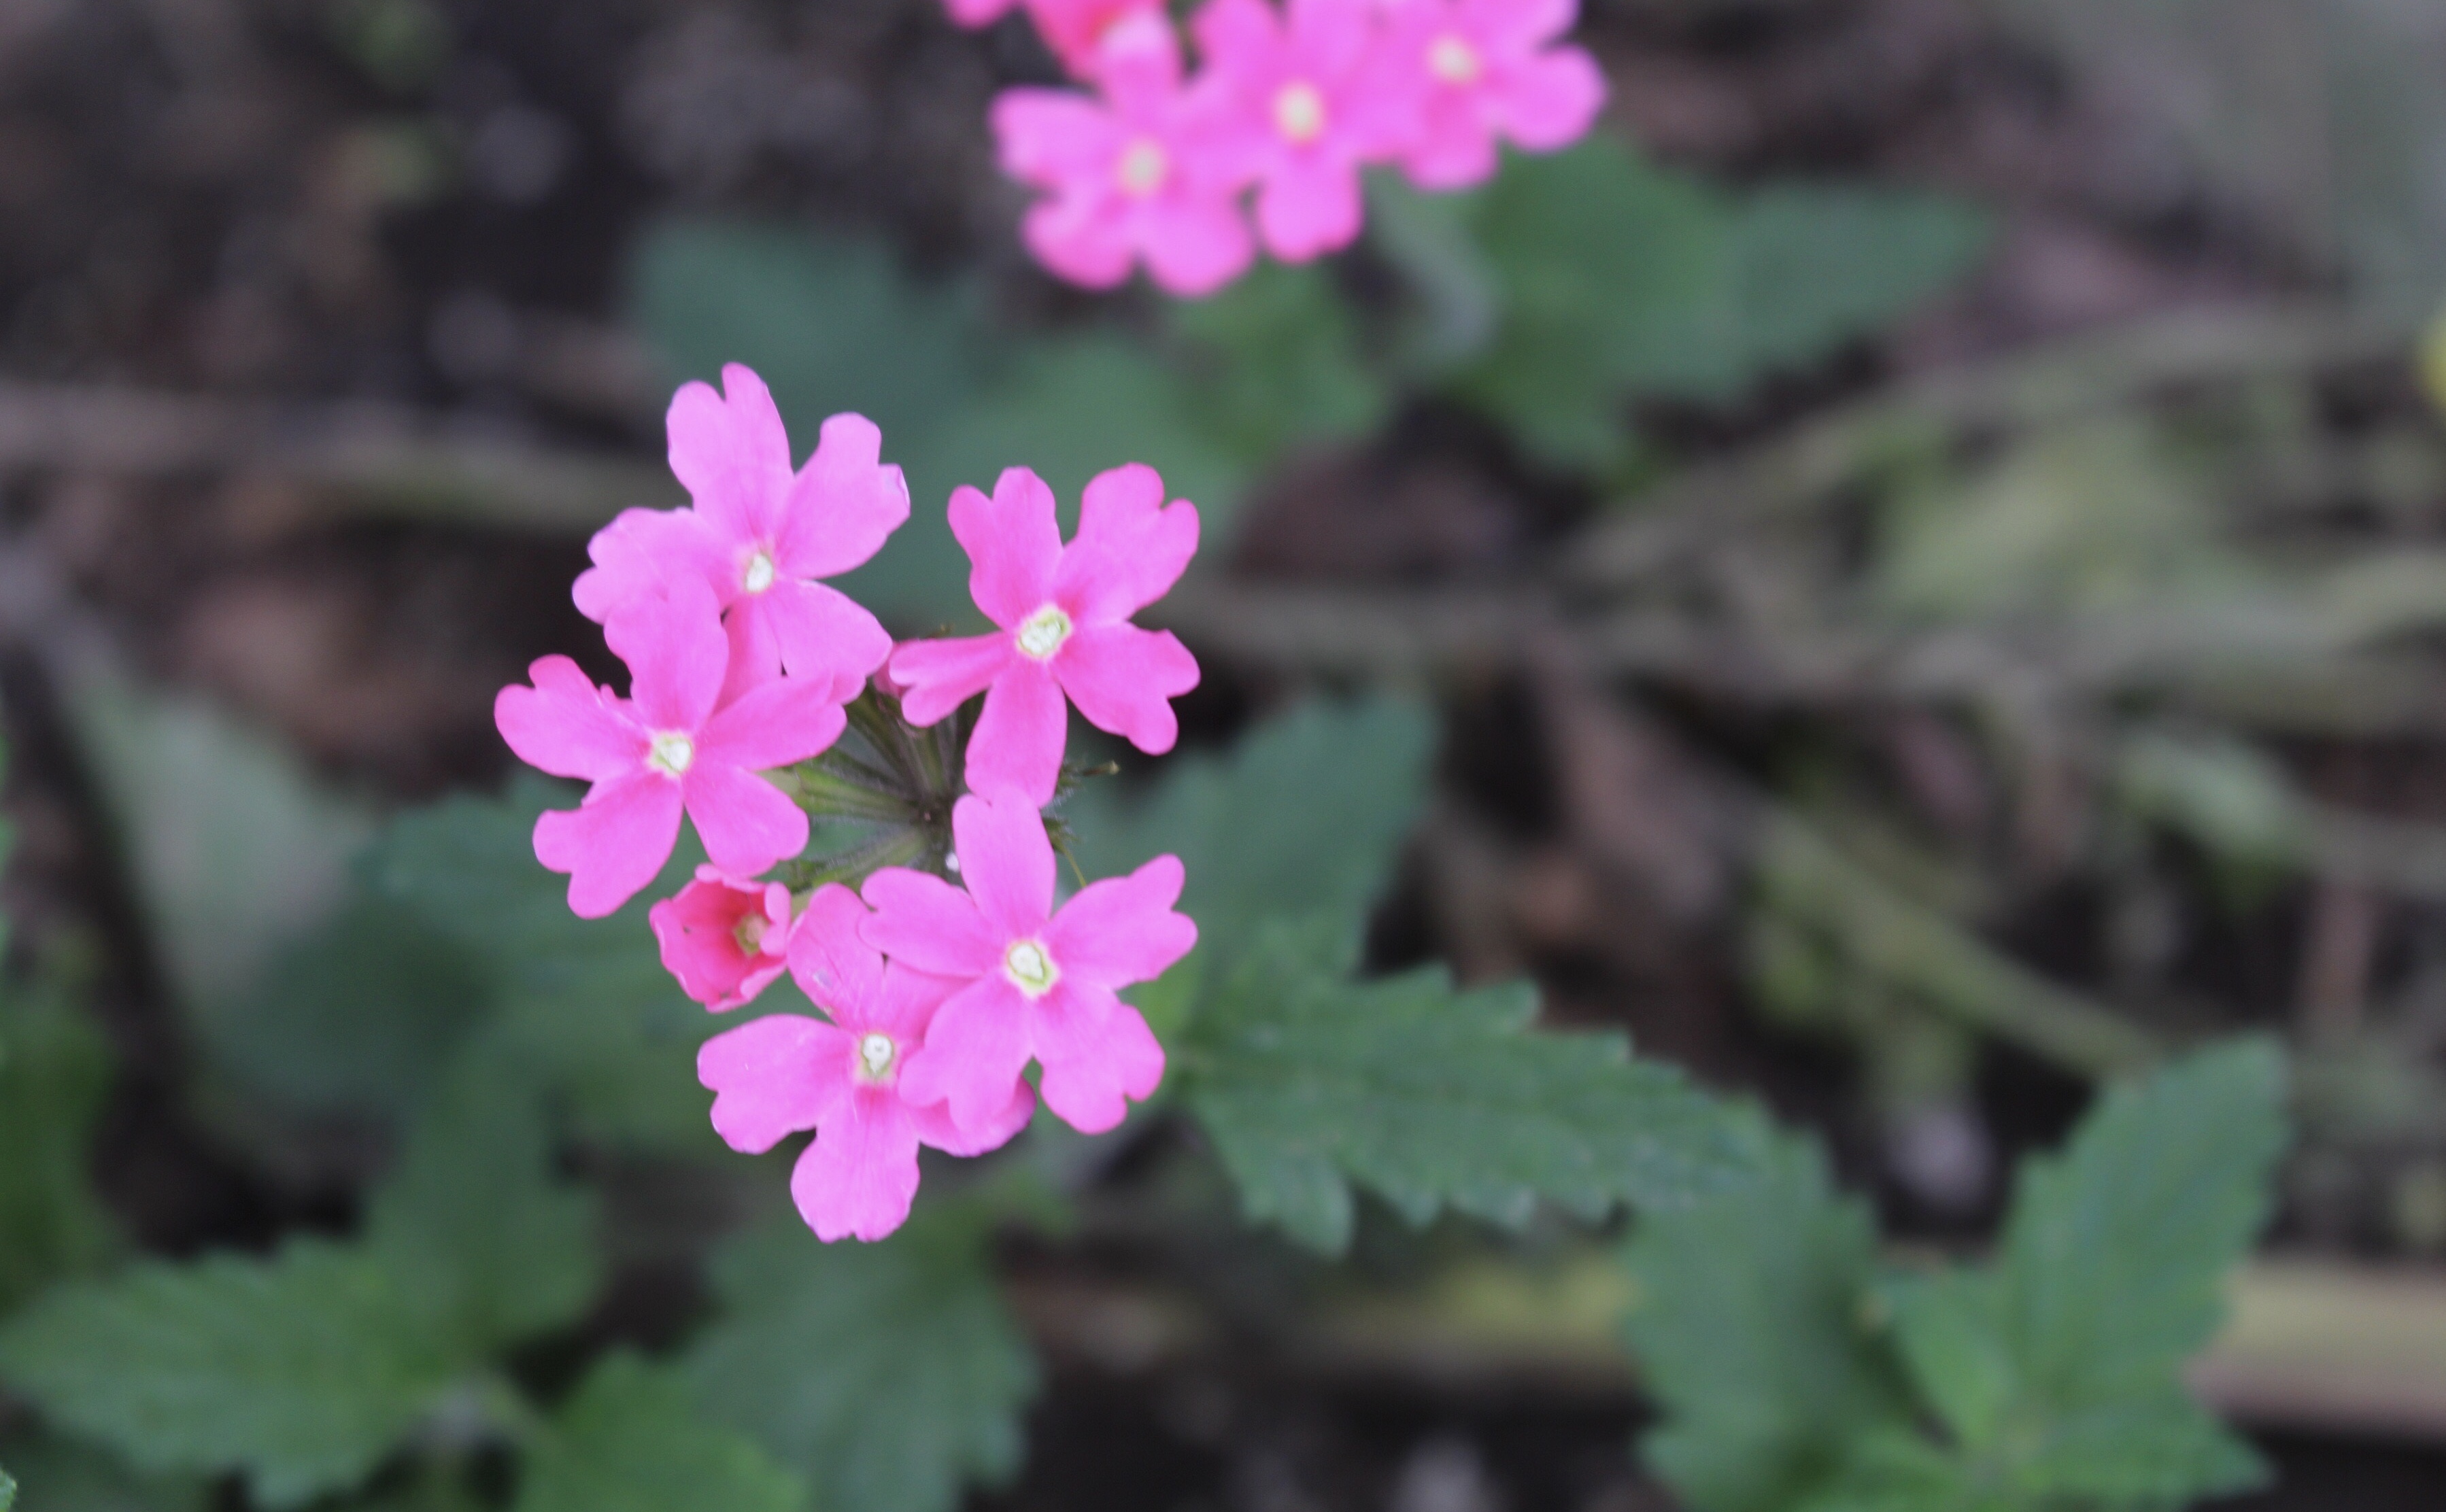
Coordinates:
[1122,930]
[925,922]
[1129,550]
[732,453]
[936,1127]
[566,726]
[773,1077]
[939,676]
[780,725]
[698,930]
[1013,543]
[981,12]
[641,551]
[1239,36]
[1331,35]
[859,1176]
[1549,103]
[823,633]
[1455,148]
[746,824]
[1018,742]
[1196,244]
[904,1006]
[1123,679]
[612,844]
[1051,137]
[843,504]
[1098,1055]
[974,1051]
[1310,206]
[1082,238]
[755,650]
[831,960]
[1007,861]
[677,653]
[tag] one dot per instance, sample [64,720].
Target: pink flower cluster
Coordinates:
[1292,104]
[741,661]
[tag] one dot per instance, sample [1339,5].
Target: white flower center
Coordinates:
[875,1053]
[760,574]
[1298,112]
[1144,167]
[1041,633]
[1030,968]
[672,752]
[1454,60]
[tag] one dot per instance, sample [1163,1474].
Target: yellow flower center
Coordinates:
[1029,968]
[670,753]
[761,572]
[750,934]
[875,1053]
[1454,60]
[1298,112]
[1144,167]
[1041,633]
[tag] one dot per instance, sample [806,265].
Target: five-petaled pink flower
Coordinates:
[665,749]
[760,535]
[1312,106]
[1077,30]
[1063,614]
[847,1080]
[1034,983]
[724,939]
[1481,70]
[1151,174]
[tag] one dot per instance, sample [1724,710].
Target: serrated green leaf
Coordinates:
[584,1005]
[1300,821]
[1279,364]
[8,1492]
[2158,1450]
[631,1441]
[473,1223]
[55,1072]
[1890,1470]
[71,1477]
[888,1376]
[1430,1097]
[305,1370]
[1753,1332]
[1951,1331]
[2116,1252]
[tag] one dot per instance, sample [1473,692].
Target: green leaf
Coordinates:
[631,1441]
[890,1376]
[1281,364]
[1753,1334]
[1951,1327]
[1301,821]
[1429,1097]
[2156,1450]
[584,1005]
[8,1492]
[1889,1468]
[831,324]
[55,1071]
[305,1370]
[474,1223]
[2117,1251]
[71,1477]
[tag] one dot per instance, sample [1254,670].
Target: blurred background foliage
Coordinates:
[1904,573]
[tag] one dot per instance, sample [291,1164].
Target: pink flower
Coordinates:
[1149,174]
[726,940]
[1063,614]
[1075,30]
[1310,109]
[1477,70]
[760,535]
[1033,983]
[663,750]
[846,1080]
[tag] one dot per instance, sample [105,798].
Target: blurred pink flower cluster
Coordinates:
[1153,166]
[741,661]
